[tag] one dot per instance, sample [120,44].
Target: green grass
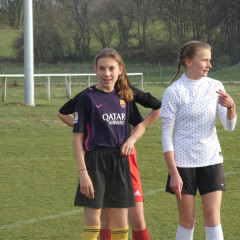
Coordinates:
[39,175]
[7,38]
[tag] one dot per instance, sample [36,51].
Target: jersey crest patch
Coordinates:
[122,104]
[75,117]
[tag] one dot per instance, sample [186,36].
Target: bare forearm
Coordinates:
[231,112]
[86,186]
[151,116]
[137,132]
[176,182]
[78,150]
[67,119]
[169,157]
[128,147]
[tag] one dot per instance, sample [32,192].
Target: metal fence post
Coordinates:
[88,81]
[4,89]
[160,73]
[68,86]
[48,88]
[141,82]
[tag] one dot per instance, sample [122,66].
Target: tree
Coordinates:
[176,16]
[49,43]
[124,14]
[11,12]
[102,22]
[229,19]
[144,10]
[76,21]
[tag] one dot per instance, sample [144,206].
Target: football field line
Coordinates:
[232,173]
[39,219]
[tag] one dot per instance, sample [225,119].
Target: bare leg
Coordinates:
[91,223]
[105,221]
[211,208]
[92,216]
[118,217]
[186,209]
[136,217]
[105,232]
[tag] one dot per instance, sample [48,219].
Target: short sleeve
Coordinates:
[69,107]
[81,114]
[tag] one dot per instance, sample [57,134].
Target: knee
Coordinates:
[211,218]
[137,223]
[187,222]
[91,221]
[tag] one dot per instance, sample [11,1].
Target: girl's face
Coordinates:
[199,66]
[107,71]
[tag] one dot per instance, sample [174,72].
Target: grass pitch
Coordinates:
[39,175]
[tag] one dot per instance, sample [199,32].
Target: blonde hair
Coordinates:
[188,51]
[122,84]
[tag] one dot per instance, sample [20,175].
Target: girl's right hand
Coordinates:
[176,185]
[86,186]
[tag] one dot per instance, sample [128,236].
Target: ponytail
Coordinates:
[188,51]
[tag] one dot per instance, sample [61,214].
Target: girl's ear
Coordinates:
[120,70]
[188,62]
[95,68]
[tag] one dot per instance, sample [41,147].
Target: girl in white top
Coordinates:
[194,159]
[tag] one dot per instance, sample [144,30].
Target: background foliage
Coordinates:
[142,29]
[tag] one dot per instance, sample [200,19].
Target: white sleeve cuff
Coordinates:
[230,124]
[167,134]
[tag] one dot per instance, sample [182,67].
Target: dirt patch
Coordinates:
[16,104]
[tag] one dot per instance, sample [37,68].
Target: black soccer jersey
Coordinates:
[104,118]
[69,107]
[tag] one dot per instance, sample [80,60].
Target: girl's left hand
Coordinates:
[127,148]
[224,99]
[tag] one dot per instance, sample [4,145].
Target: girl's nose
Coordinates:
[107,72]
[209,65]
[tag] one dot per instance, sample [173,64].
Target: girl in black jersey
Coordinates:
[135,214]
[101,121]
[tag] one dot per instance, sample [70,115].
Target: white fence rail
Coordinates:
[67,81]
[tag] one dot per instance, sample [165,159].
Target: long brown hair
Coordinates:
[122,84]
[188,51]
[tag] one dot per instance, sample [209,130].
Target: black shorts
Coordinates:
[111,178]
[205,179]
